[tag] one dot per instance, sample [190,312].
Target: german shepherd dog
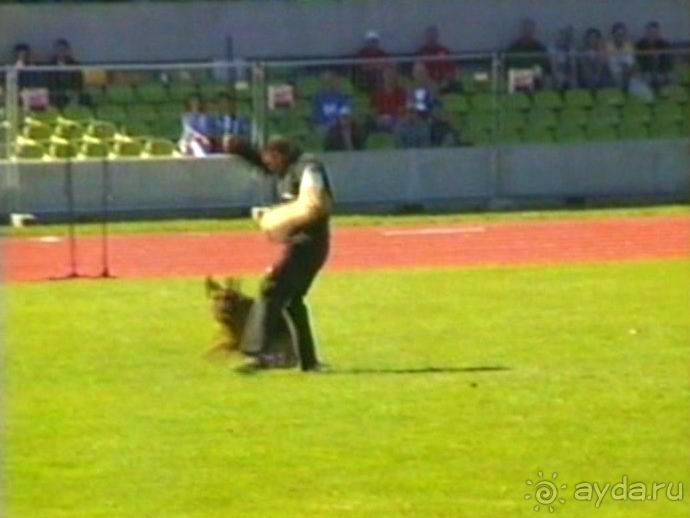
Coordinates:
[231,309]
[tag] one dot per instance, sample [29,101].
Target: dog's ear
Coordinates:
[212,286]
[232,284]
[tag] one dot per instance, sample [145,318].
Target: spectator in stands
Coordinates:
[388,103]
[528,52]
[369,76]
[442,131]
[227,124]
[346,134]
[197,129]
[65,86]
[414,130]
[621,55]
[23,57]
[423,92]
[593,64]
[638,86]
[328,102]
[563,56]
[655,65]
[441,71]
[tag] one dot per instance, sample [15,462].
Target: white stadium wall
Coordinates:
[159,31]
[461,178]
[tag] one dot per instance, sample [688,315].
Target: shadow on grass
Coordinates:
[415,370]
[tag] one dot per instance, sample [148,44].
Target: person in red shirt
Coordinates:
[369,76]
[442,71]
[388,103]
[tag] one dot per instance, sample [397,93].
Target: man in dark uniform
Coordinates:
[301,223]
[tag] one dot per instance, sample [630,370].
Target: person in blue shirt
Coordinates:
[227,124]
[197,128]
[328,102]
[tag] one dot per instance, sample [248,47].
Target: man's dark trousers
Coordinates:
[285,288]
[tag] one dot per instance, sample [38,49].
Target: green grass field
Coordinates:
[448,390]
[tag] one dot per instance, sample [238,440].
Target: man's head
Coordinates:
[528,29]
[62,49]
[22,54]
[329,81]
[194,104]
[372,39]
[619,32]
[653,31]
[225,103]
[278,155]
[593,38]
[431,36]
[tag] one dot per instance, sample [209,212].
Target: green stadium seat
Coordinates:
[453,103]
[302,108]
[538,134]
[312,142]
[508,136]
[570,134]
[685,126]
[548,99]
[683,74]
[665,129]
[380,141]
[142,112]
[167,129]
[542,118]
[37,131]
[347,88]
[308,86]
[96,94]
[633,130]
[578,99]
[47,116]
[601,132]
[152,93]
[515,102]
[610,97]
[77,113]
[604,116]
[484,102]
[574,117]
[137,128]
[27,149]
[211,90]
[68,129]
[478,136]
[511,119]
[469,85]
[127,148]
[62,149]
[636,112]
[120,94]
[675,93]
[481,120]
[158,147]
[93,149]
[101,130]
[670,111]
[112,113]
[180,92]
[171,109]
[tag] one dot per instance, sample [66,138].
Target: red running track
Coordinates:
[476,244]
